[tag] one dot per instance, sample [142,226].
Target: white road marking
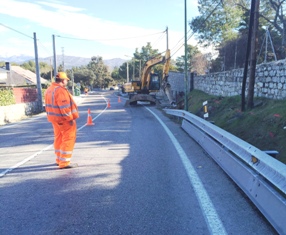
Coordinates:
[24,161]
[213,221]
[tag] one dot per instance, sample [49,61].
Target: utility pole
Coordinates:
[63,55]
[133,74]
[235,54]
[51,70]
[253,55]
[127,71]
[55,56]
[186,52]
[139,69]
[167,34]
[248,48]
[283,33]
[72,78]
[39,86]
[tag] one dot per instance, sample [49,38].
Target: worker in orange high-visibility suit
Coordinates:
[62,112]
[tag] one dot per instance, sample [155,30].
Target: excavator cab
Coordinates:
[154,82]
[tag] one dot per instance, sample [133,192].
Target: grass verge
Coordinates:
[264,126]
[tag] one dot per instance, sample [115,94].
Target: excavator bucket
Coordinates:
[141,97]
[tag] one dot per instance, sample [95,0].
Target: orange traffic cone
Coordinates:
[108,104]
[89,119]
[119,99]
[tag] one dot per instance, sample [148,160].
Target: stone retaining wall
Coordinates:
[177,81]
[270,81]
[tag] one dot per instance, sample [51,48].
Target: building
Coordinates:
[17,76]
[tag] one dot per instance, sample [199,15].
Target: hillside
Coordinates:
[69,61]
[264,126]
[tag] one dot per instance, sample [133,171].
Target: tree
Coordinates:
[45,68]
[100,76]
[214,28]
[217,21]
[180,61]
[30,65]
[117,78]
[231,54]
[271,16]
[146,53]
[227,20]
[201,63]
[82,75]
[139,59]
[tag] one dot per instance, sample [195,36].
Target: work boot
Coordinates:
[72,165]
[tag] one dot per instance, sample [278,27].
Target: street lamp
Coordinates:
[128,69]
[139,66]
[134,60]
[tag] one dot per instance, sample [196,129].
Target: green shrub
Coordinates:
[6,97]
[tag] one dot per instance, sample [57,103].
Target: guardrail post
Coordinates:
[205,106]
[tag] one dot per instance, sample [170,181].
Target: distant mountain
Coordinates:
[17,58]
[112,63]
[69,61]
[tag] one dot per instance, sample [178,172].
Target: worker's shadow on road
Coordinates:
[35,168]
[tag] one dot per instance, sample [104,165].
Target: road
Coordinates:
[139,173]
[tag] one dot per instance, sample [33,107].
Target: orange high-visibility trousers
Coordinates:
[64,141]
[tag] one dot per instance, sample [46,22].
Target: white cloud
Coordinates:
[60,6]
[3,29]
[57,18]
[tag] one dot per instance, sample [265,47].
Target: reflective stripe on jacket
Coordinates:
[60,106]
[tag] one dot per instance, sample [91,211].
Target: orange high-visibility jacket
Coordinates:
[60,106]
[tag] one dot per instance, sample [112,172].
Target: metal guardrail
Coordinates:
[260,176]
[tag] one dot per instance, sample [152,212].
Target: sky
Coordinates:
[86,28]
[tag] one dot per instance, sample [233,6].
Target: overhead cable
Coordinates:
[25,36]
[16,31]
[159,39]
[103,39]
[45,48]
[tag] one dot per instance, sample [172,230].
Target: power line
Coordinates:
[103,39]
[159,39]
[16,31]
[25,36]
[180,46]
[44,47]
[199,26]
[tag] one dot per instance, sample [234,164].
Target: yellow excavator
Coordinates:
[145,89]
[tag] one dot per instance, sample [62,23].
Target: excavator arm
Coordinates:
[145,77]
[165,84]
[150,82]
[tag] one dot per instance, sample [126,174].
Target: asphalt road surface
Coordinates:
[139,173]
